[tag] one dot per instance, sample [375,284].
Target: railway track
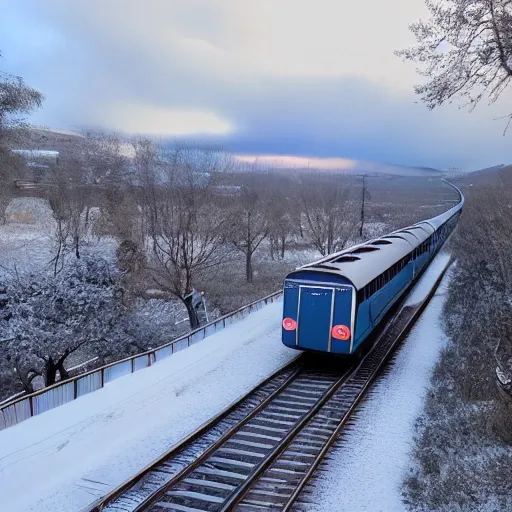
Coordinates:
[259,454]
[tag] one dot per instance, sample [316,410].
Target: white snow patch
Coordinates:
[366,472]
[110,434]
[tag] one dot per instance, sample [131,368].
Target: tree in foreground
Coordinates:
[464,50]
[49,317]
[184,226]
[16,101]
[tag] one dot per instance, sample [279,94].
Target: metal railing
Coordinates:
[62,392]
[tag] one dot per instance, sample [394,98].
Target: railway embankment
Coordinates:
[462,458]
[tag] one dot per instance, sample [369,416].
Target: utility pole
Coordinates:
[363,198]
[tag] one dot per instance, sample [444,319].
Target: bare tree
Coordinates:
[70,200]
[330,216]
[250,219]
[94,173]
[464,49]
[185,228]
[108,159]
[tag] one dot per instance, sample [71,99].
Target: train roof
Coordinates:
[362,263]
[436,222]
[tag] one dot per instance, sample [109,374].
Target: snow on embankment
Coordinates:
[366,468]
[75,453]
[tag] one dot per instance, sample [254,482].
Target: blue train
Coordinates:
[334,304]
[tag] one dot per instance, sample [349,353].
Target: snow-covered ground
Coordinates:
[71,455]
[66,458]
[367,466]
[27,240]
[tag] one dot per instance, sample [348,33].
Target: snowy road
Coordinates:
[69,456]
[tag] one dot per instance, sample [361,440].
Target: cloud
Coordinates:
[147,120]
[284,77]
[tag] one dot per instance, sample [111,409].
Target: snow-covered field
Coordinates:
[70,456]
[73,454]
[367,466]
[27,240]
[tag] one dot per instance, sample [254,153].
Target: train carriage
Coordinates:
[334,304]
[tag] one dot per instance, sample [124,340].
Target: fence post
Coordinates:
[31,403]
[102,374]
[75,389]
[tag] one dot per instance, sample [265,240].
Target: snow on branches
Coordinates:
[48,317]
[464,49]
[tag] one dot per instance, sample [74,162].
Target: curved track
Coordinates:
[260,453]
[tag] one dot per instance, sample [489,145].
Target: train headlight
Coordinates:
[340,332]
[289,324]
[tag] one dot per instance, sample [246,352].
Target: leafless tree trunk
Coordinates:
[250,224]
[185,227]
[329,215]
[69,198]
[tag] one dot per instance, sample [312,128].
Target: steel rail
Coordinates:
[293,366]
[273,491]
[325,385]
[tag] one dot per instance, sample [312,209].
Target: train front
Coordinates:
[318,312]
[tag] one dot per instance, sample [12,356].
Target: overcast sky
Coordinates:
[289,77]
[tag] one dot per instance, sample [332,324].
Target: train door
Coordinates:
[320,309]
[316,306]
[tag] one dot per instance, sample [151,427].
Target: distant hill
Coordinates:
[487,176]
[346,165]
[50,140]
[375,169]
[488,170]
